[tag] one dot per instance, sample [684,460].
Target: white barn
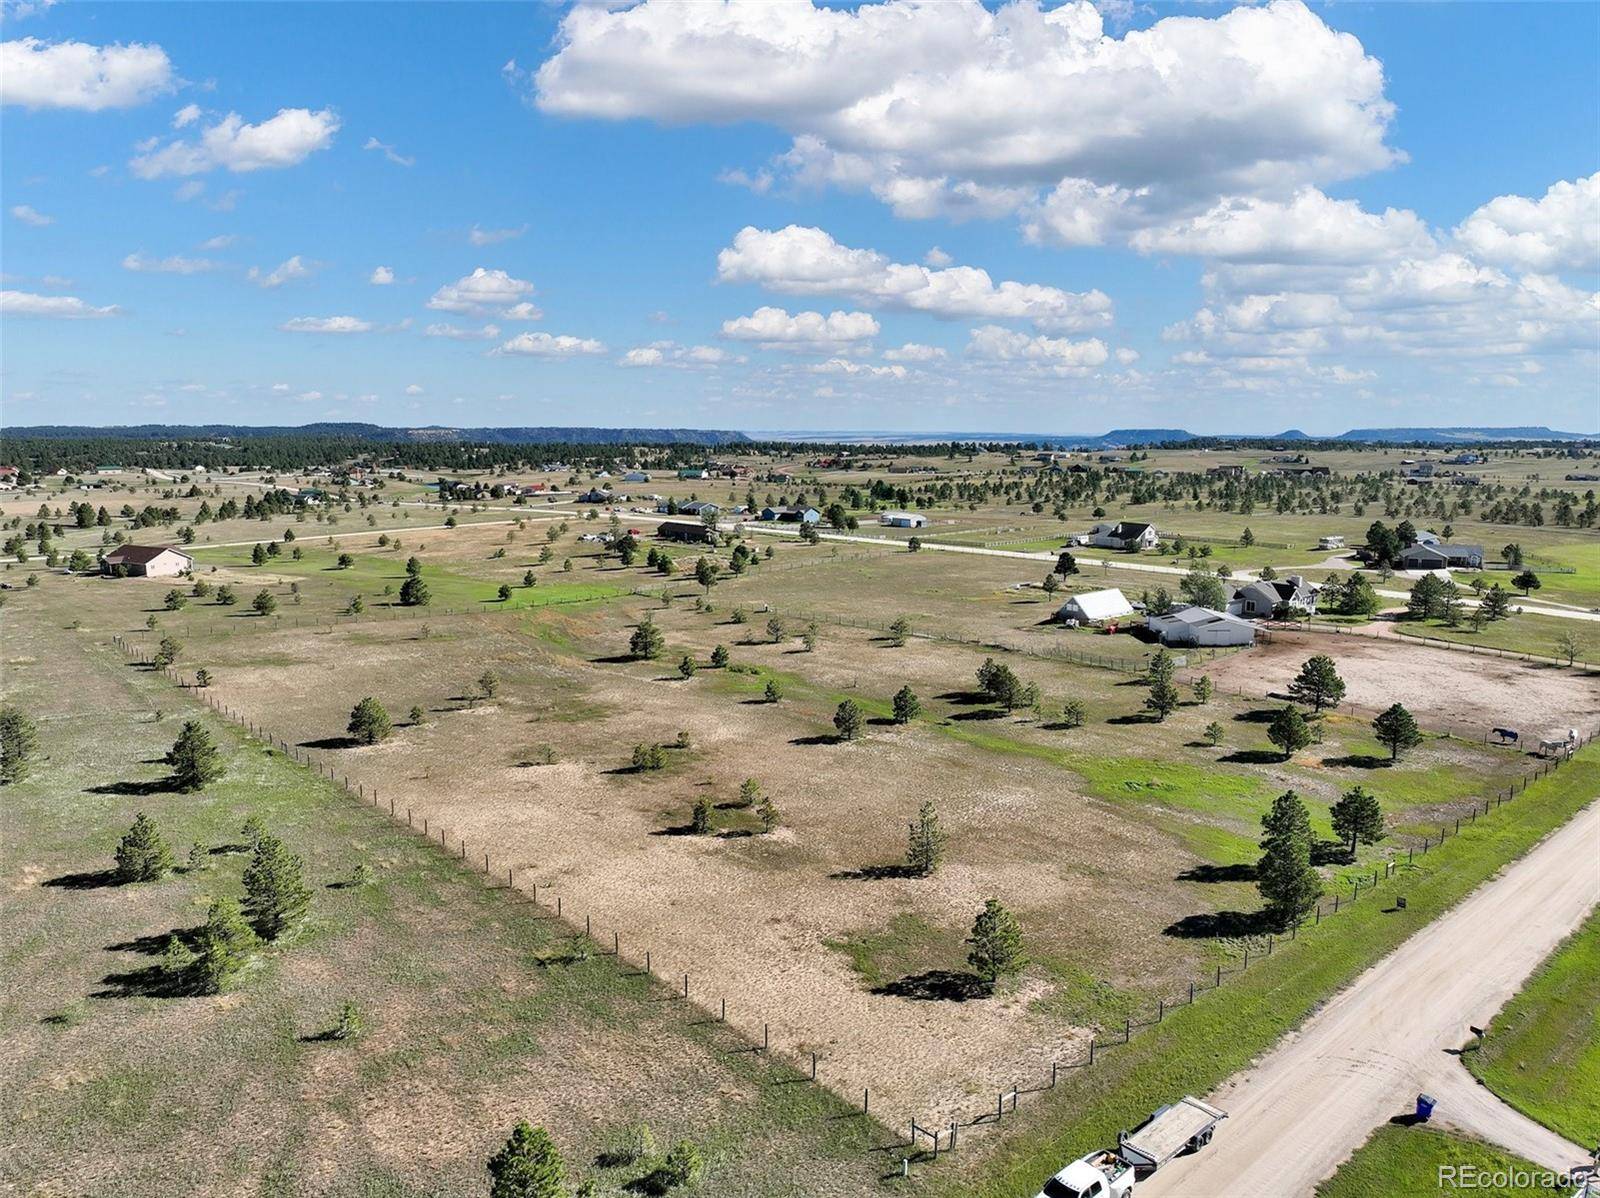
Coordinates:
[1094,606]
[903,519]
[1191,625]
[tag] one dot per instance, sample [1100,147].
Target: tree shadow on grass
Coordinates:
[331,742]
[1221,925]
[1245,871]
[616,659]
[1256,757]
[1359,761]
[873,873]
[1331,852]
[1137,717]
[134,789]
[964,698]
[1258,715]
[988,713]
[822,738]
[937,985]
[93,880]
[149,981]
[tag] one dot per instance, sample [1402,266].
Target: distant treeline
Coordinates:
[47,449]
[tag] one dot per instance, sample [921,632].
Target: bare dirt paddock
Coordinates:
[1470,693]
[751,918]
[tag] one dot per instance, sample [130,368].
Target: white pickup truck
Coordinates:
[1184,1126]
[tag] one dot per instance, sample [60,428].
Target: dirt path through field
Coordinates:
[1296,1115]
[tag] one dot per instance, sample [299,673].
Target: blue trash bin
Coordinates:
[1424,1107]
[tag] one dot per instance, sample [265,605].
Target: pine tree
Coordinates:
[767,813]
[899,631]
[1284,876]
[646,643]
[847,720]
[1496,603]
[719,657]
[700,819]
[1357,818]
[143,856]
[925,842]
[1318,683]
[1163,698]
[275,893]
[996,942]
[906,705]
[19,741]
[265,602]
[773,691]
[194,758]
[1289,731]
[1396,730]
[223,945]
[528,1166]
[414,592]
[369,722]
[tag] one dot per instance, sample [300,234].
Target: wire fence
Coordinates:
[1438,643]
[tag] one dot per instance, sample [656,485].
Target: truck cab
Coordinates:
[1099,1175]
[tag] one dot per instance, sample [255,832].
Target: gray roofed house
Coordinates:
[1265,598]
[1442,556]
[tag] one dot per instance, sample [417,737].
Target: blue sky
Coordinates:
[772,216]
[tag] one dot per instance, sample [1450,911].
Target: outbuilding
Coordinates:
[147,561]
[1201,626]
[683,530]
[1091,607]
[903,519]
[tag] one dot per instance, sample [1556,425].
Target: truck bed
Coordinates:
[1168,1132]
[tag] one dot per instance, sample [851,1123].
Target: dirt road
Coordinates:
[1300,1111]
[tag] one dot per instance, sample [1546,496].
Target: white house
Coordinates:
[1094,606]
[1124,534]
[903,519]
[147,561]
[1191,625]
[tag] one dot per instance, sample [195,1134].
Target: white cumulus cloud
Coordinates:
[800,260]
[381,276]
[30,215]
[1559,232]
[142,263]
[956,109]
[803,330]
[37,74]
[487,333]
[284,140]
[327,324]
[481,290]
[482,237]
[285,272]
[60,307]
[996,344]
[547,345]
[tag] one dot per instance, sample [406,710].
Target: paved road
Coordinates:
[1301,1110]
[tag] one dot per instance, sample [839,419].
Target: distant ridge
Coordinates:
[1125,438]
[1119,438]
[543,435]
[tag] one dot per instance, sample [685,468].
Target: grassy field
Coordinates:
[1542,636]
[1198,1046]
[1542,1054]
[1405,1162]
[477,1013]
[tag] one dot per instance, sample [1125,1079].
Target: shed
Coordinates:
[903,519]
[683,530]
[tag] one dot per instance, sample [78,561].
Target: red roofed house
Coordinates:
[148,561]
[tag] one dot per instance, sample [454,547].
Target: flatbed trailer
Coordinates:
[1186,1124]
